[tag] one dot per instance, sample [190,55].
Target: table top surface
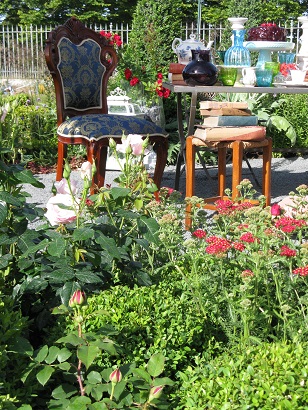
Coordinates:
[236,89]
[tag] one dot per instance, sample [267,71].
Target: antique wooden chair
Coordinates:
[242,139]
[81,61]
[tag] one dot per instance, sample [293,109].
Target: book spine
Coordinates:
[237,120]
[224,111]
[217,104]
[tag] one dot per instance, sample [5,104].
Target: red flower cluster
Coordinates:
[199,233]
[286,67]
[161,91]
[227,207]
[247,273]
[239,246]
[217,245]
[289,225]
[113,38]
[302,271]
[286,251]
[249,238]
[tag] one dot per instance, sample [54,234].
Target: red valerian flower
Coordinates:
[199,233]
[247,273]
[289,225]
[217,245]
[286,251]
[302,271]
[238,246]
[248,237]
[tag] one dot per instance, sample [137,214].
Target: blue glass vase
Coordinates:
[238,55]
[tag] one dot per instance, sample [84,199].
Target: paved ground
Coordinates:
[287,174]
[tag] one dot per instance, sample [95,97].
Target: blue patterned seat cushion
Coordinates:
[93,127]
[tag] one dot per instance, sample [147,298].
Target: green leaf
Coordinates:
[4,260]
[33,249]
[22,346]
[142,374]
[82,234]
[117,192]
[87,354]
[152,229]
[138,204]
[80,403]
[3,212]
[282,124]
[41,354]
[63,355]
[10,199]
[26,177]
[109,245]
[52,354]
[44,375]
[72,339]
[94,377]
[87,277]
[156,364]
[57,245]
[64,391]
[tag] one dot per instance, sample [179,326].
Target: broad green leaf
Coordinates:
[35,248]
[142,374]
[138,204]
[87,277]
[152,229]
[118,192]
[64,391]
[63,355]
[282,124]
[52,354]
[72,339]
[10,199]
[94,377]
[3,212]
[41,354]
[156,364]
[64,366]
[163,381]
[87,354]
[109,245]
[82,234]
[57,245]
[4,260]
[44,375]
[80,403]
[22,345]
[66,291]
[27,177]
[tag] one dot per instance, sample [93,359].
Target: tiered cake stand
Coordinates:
[265,49]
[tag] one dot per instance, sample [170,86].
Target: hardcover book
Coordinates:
[230,133]
[230,120]
[219,104]
[176,68]
[224,111]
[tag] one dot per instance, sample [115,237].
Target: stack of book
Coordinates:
[222,121]
[175,73]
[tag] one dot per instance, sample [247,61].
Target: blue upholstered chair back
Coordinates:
[81,74]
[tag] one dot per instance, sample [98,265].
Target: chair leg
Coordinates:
[161,160]
[100,160]
[222,162]
[237,165]
[62,154]
[266,183]
[190,178]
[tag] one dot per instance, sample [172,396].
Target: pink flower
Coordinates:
[155,392]
[275,210]
[199,233]
[286,251]
[57,215]
[78,299]
[302,271]
[115,376]
[63,188]
[86,171]
[291,206]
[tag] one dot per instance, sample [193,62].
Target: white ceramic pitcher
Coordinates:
[249,76]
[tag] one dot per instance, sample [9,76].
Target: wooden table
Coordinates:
[218,89]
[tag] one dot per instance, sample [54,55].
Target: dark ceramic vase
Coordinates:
[200,71]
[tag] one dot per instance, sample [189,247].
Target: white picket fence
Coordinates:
[21,48]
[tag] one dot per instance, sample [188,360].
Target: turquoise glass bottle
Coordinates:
[237,54]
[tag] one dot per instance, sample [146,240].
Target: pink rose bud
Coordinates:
[275,210]
[115,376]
[78,299]
[155,392]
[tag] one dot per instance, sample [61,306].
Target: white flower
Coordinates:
[86,171]
[57,215]
[62,187]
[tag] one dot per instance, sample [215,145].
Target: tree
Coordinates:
[56,12]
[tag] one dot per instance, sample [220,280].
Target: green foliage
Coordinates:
[263,376]
[28,127]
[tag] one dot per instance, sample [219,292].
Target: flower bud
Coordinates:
[155,392]
[78,299]
[66,171]
[115,376]
[112,143]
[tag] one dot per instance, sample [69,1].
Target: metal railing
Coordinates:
[22,55]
